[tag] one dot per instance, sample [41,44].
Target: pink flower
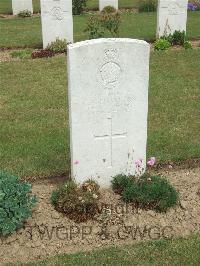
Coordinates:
[138,163]
[151,161]
[76,162]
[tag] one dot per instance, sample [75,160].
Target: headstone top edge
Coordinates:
[107,41]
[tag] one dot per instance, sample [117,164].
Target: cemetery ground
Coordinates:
[139,25]
[35,145]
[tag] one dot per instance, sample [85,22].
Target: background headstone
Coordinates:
[108,99]
[103,3]
[21,5]
[57,20]
[171,16]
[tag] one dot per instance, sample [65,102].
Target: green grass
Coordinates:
[6,5]
[180,251]
[34,121]
[142,26]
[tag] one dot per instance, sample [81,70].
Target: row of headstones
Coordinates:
[57,21]
[21,5]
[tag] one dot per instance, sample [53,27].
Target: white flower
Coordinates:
[94,196]
[80,198]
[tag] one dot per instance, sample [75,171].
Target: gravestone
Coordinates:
[21,5]
[108,102]
[103,3]
[171,16]
[57,21]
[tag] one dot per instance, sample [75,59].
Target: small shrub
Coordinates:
[149,192]
[119,183]
[161,45]
[109,9]
[79,203]
[111,22]
[22,54]
[16,203]
[58,46]
[187,45]
[178,38]
[147,6]
[25,14]
[94,28]
[42,53]
[98,26]
[78,6]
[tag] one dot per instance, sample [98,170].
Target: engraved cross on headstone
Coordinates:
[110,136]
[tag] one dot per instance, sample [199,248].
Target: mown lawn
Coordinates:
[20,32]
[6,5]
[34,135]
[183,252]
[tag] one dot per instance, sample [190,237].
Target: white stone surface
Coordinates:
[57,20]
[103,3]
[21,5]
[108,101]
[171,16]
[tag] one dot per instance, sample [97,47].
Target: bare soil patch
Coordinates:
[49,233]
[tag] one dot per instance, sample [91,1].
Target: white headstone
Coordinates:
[57,20]
[21,5]
[171,16]
[103,3]
[108,101]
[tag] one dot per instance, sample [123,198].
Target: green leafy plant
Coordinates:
[109,9]
[42,53]
[119,182]
[79,203]
[102,24]
[58,46]
[22,54]
[16,203]
[25,14]
[149,192]
[147,5]
[162,45]
[187,45]
[94,28]
[78,6]
[177,38]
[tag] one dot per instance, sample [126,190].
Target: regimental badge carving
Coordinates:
[174,8]
[56,13]
[110,71]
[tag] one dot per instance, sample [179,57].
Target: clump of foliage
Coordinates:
[42,53]
[187,45]
[16,203]
[109,9]
[102,24]
[194,5]
[79,203]
[177,38]
[58,46]
[148,192]
[147,6]
[25,14]
[78,6]
[21,54]
[162,45]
